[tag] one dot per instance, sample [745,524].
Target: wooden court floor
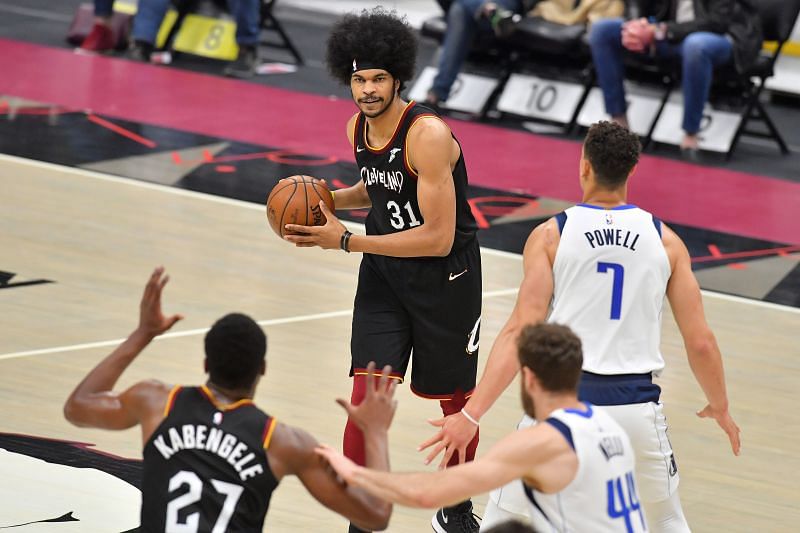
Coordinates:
[98,238]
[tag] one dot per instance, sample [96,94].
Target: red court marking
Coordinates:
[714,250]
[737,266]
[121,131]
[176,158]
[225,168]
[480,203]
[476,212]
[339,184]
[298,158]
[706,197]
[749,253]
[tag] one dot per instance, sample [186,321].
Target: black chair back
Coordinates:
[777,17]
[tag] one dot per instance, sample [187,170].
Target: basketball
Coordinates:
[295,200]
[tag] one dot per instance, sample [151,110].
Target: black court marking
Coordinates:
[6,277]
[63,518]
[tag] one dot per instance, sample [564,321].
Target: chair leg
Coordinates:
[587,88]
[746,116]
[772,129]
[287,42]
[649,138]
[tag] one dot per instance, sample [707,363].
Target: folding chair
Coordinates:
[777,20]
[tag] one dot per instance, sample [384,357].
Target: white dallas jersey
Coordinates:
[602,498]
[610,276]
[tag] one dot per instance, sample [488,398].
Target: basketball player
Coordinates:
[603,268]
[419,284]
[576,467]
[211,457]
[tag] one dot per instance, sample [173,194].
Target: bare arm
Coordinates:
[431,144]
[293,452]
[702,350]
[354,197]
[533,302]
[538,454]
[94,403]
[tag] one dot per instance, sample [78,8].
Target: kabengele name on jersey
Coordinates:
[213,440]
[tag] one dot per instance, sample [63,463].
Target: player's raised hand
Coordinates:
[454,436]
[725,421]
[327,237]
[344,467]
[151,319]
[376,411]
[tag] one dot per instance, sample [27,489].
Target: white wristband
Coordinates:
[468,417]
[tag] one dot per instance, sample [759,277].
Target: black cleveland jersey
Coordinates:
[206,467]
[392,183]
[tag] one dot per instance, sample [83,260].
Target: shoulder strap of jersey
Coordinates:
[269,429]
[561,219]
[358,132]
[173,394]
[425,113]
[562,428]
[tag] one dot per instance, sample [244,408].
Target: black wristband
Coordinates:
[344,242]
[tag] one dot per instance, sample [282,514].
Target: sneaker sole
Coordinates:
[435,524]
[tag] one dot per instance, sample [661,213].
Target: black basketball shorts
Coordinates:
[427,310]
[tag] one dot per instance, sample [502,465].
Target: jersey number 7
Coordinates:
[616,291]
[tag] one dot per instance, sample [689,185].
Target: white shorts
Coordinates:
[656,470]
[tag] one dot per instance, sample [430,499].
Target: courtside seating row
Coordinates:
[562,53]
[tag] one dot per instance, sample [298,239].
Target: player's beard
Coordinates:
[381,111]
[527,400]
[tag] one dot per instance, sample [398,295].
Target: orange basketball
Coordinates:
[295,200]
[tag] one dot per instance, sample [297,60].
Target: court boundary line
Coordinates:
[82,172]
[201,331]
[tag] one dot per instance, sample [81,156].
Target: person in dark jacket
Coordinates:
[703,34]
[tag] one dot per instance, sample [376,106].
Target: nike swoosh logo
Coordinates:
[359,149]
[444,517]
[454,276]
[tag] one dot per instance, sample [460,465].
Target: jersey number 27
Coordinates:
[191,524]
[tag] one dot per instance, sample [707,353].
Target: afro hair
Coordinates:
[375,37]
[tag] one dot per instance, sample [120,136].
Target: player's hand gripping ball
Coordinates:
[295,200]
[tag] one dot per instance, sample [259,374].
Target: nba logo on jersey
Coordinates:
[217,418]
[609,219]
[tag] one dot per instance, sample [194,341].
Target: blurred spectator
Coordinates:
[246,13]
[464,19]
[702,34]
[101,38]
[561,12]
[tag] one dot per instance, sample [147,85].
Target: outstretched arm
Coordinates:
[94,403]
[702,350]
[538,454]
[292,452]
[533,301]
